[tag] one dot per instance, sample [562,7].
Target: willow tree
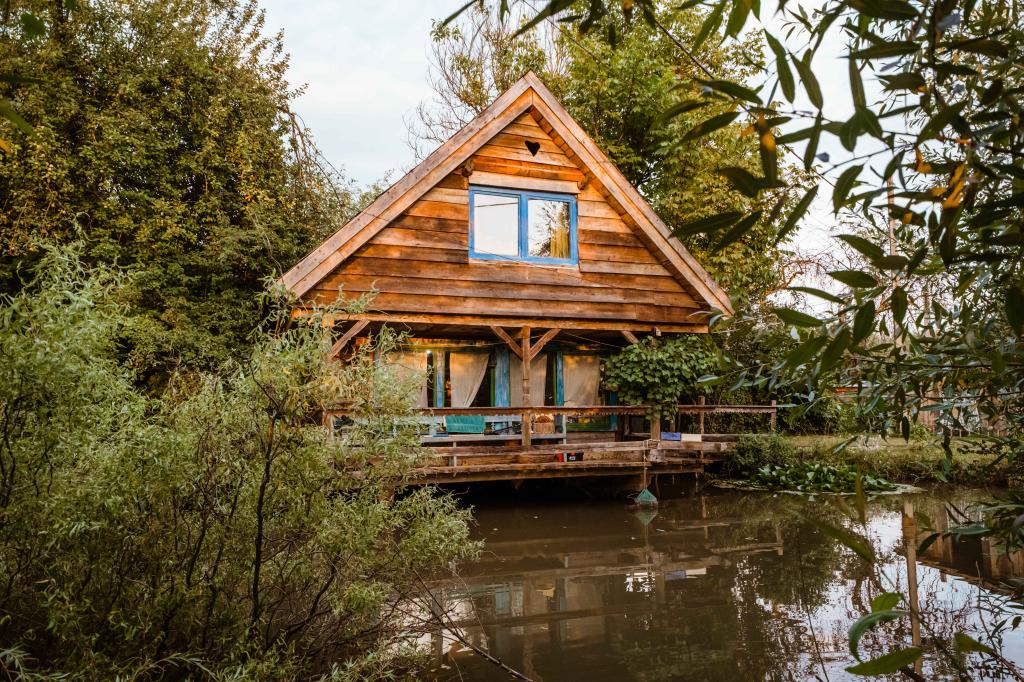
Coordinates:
[161,135]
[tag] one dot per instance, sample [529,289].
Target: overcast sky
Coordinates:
[365,67]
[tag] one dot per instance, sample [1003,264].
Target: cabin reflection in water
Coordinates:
[559,578]
[720,587]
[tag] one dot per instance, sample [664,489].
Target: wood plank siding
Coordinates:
[420,263]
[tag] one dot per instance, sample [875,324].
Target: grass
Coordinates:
[919,461]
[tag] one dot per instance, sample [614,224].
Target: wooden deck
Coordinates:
[626,458]
[507,456]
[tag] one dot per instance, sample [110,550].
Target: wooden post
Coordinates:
[775,416]
[700,401]
[527,427]
[910,547]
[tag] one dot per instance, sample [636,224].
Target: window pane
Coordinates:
[549,228]
[495,224]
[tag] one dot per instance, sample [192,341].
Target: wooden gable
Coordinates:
[418,259]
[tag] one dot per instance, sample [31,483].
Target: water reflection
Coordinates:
[718,587]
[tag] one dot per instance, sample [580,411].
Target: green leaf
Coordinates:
[8,112]
[796,318]
[905,428]
[32,25]
[680,108]
[709,224]
[710,25]
[782,67]
[833,352]
[711,125]
[744,181]
[986,46]
[992,92]
[889,663]
[864,322]
[939,121]
[868,621]
[887,49]
[810,81]
[856,85]
[898,304]
[819,293]
[844,184]
[886,601]
[737,231]
[737,17]
[732,89]
[885,9]
[856,279]
[903,81]
[850,131]
[1015,308]
[869,249]
[806,351]
[848,539]
[891,263]
[798,212]
[966,644]
[812,144]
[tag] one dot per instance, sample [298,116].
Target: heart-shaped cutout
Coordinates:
[534,147]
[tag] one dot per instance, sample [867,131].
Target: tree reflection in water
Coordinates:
[718,587]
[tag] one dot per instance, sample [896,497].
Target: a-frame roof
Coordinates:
[528,94]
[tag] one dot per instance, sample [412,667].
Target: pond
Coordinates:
[715,586]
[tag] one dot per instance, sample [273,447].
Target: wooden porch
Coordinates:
[457,458]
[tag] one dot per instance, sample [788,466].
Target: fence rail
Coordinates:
[524,412]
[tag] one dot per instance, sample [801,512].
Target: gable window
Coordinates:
[516,225]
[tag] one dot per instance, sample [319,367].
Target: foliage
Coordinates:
[815,477]
[218,531]
[932,317]
[753,452]
[659,371]
[915,462]
[162,137]
[618,86]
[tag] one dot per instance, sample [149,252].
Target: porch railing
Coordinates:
[522,413]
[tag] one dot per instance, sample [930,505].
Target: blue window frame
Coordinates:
[541,241]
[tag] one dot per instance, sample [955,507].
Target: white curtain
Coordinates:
[538,380]
[581,377]
[467,373]
[412,366]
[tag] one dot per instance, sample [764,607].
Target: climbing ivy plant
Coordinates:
[657,371]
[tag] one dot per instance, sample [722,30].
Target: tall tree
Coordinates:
[162,136]
[618,83]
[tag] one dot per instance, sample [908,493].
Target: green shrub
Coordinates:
[753,452]
[217,529]
[659,371]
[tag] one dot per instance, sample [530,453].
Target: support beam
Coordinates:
[505,321]
[503,335]
[340,344]
[630,336]
[543,341]
[527,356]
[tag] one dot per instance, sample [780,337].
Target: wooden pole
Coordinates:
[527,427]
[775,416]
[910,545]
[700,401]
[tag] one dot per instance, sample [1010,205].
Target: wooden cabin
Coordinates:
[514,256]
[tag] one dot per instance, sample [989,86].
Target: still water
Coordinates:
[716,586]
